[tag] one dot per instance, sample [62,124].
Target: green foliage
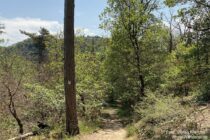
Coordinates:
[170,3]
[120,66]
[8,125]
[46,103]
[58,132]
[136,55]
[158,115]
[204,92]
[90,85]
[177,77]
[12,96]
[112,69]
[88,127]
[131,130]
[12,65]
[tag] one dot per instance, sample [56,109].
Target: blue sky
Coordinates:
[29,15]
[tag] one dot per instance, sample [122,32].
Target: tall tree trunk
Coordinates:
[69,70]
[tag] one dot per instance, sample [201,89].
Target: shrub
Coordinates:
[46,102]
[158,115]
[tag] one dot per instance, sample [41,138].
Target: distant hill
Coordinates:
[28,49]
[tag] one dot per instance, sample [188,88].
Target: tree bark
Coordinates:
[12,108]
[69,70]
[14,114]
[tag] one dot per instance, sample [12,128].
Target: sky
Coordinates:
[30,15]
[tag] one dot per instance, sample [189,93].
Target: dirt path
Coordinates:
[108,134]
[202,117]
[112,128]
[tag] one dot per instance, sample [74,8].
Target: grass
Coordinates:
[131,130]
[88,127]
[58,132]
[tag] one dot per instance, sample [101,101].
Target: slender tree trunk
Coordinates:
[171,34]
[136,46]
[171,42]
[140,76]
[82,98]
[69,70]
[12,110]
[142,85]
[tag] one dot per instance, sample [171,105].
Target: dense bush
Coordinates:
[46,104]
[159,115]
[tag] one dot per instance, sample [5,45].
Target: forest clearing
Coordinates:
[146,78]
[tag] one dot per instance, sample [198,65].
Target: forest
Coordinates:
[148,80]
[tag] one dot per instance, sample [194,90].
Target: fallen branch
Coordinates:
[24,136]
